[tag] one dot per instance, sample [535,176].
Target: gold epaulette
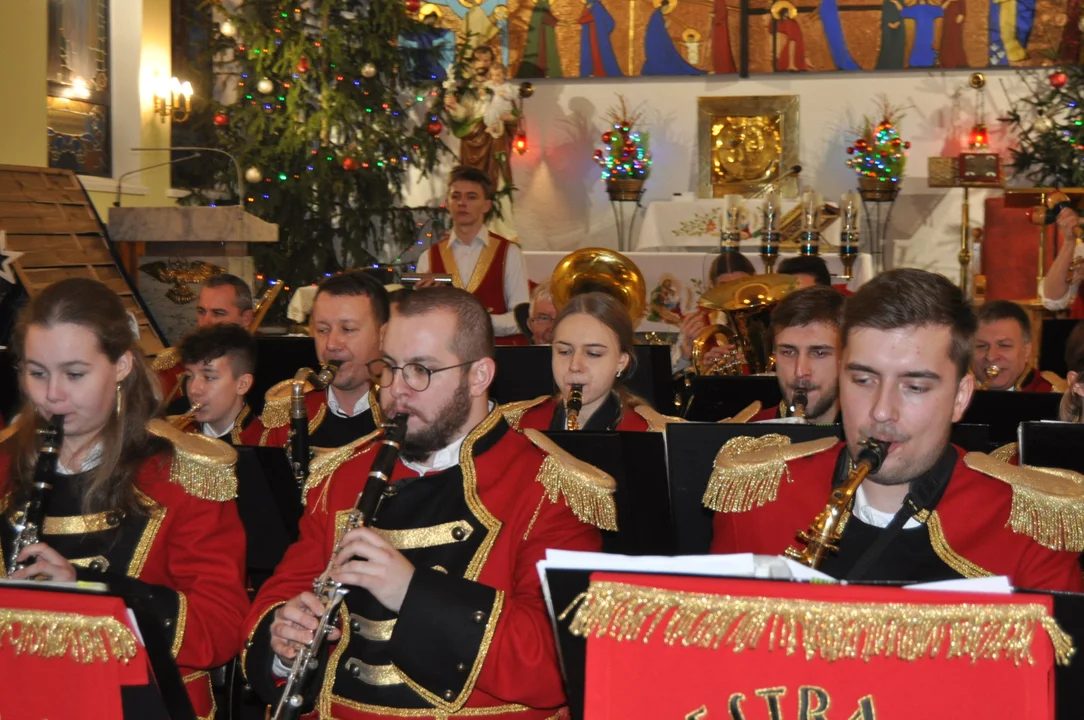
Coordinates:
[1047,503]
[513,412]
[1006,452]
[1058,383]
[166,360]
[656,421]
[203,466]
[748,470]
[276,404]
[7,432]
[744,415]
[327,460]
[588,491]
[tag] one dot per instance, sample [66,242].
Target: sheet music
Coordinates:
[996,585]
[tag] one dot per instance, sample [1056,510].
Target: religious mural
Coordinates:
[613,38]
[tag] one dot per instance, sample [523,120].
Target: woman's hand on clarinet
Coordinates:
[45,564]
[295,623]
[368,561]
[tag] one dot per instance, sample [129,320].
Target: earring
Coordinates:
[619,373]
[120,401]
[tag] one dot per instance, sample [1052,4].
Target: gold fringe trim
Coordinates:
[513,412]
[166,360]
[1006,453]
[1047,503]
[83,638]
[276,407]
[1058,383]
[830,631]
[744,415]
[587,491]
[327,461]
[656,421]
[748,470]
[203,466]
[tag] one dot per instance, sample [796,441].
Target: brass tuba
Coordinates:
[747,303]
[600,270]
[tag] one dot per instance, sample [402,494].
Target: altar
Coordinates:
[675,280]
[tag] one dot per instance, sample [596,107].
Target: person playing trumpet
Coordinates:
[1001,358]
[134,504]
[930,512]
[592,354]
[1060,288]
[219,361]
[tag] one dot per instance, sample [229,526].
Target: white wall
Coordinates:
[561,202]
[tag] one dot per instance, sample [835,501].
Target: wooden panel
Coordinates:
[50,225]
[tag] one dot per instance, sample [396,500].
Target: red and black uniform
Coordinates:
[487,284]
[184,557]
[549,414]
[964,527]
[472,635]
[777,412]
[1033,381]
[247,429]
[168,368]
[326,429]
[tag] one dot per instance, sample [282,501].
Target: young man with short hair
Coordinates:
[219,361]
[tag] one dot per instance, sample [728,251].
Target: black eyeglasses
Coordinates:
[416,376]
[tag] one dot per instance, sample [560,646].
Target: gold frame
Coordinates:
[784,108]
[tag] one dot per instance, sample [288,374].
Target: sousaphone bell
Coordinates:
[600,270]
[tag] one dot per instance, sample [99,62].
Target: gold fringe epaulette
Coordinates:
[201,465]
[827,631]
[166,360]
[327,460]
[748,470]
[276,406]
[1057,382]
[744,415]
[513,412]
[83,638]
[656,421]
[588,491]
[1006,452]
[1047,503]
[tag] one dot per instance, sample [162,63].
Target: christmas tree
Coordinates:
[1049,126]
[879,152]
[626,156]
[337,108]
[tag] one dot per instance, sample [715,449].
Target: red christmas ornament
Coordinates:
[598,155]
[350,164]
[413,6]
[303,64]
[607,137]
[221,120]
[850,151]
[1059,79]
[434,128]
[907,145]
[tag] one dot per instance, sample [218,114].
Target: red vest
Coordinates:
[540,416]
[487,282]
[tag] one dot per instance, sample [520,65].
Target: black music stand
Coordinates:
[972,438]
[720,396]
[1052,345]
[1003,411]
[637,461]
[1053,445]
[269,503]
[691,451]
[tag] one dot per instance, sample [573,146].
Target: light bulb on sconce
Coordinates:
[810,238]
[172,99]
[850,210]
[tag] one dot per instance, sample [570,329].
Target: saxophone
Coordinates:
[28,530]
[824,533]
[329,592]
[573,407]
[798,404]
[297,449]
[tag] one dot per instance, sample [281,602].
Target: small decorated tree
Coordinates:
[1049,126]
[625,160]
[878,155]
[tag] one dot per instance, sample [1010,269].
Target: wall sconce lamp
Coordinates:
[173,99]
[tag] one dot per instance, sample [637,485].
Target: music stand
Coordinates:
[972,438]
[1004,411]
[1052,345]
[269,503]
[637,461]
[715,397]
[1053,445]
[691,451]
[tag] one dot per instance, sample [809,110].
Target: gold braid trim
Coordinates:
[1057,382]
[748,470]
[182,619]
[1006,452]
[587,491]
[166,360]
[513,412]
[83,638]
[203,466]
[744,415]
[656,421]
[327,461]
[828,630]
[1047,503]
[276,406]
[949,556]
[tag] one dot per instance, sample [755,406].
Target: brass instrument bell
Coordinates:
[747,302]
[600,270]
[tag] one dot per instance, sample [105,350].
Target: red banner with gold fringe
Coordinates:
[690,647]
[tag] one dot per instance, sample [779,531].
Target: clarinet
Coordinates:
[573,407]
[329,592]
[29,529]
[297,449]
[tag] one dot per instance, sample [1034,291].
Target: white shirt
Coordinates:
[872,516]
[91,460]
[206,429]
[336,409]
[1067,299]
[466,254]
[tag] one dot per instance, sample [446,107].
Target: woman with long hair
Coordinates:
[593,349]
[128,507]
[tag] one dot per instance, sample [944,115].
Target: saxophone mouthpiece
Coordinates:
[873,453]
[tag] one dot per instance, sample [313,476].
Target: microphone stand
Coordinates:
[116,200]
[236,165]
